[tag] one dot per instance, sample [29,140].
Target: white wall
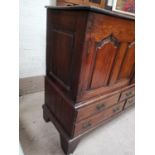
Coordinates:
[32,37]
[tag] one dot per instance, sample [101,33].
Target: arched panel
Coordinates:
[128,63]
[106,51]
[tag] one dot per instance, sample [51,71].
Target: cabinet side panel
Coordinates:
[59,107]
[61,57]
[65,40]
[60,46]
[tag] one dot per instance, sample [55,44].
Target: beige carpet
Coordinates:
[40,138]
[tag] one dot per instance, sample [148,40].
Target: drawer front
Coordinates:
[130,102]
[97,107]
[93,121]
[127,94]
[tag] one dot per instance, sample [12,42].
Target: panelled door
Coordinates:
[110,54]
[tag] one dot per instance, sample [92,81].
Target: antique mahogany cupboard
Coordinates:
[90,69]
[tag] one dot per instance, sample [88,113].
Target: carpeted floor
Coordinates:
[40,138]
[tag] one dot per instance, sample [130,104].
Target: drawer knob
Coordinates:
[130,102]
[116,109]
[100,107]
[86,125]
[129,94]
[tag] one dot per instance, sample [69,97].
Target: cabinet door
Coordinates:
[104,58]
[112,63]
[110,55]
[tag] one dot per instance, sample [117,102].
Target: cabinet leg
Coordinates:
[45,116]
[68,145]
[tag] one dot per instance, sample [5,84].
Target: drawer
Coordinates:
[93,121]
[97,107]
[127,94]
[130,102]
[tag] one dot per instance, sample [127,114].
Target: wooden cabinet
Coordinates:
[90,59]
[96,58]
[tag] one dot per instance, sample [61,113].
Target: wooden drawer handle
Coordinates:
[100,107]
[86,125]
[116,109]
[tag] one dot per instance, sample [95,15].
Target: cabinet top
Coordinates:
[92,9]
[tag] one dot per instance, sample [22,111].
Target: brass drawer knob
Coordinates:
[100,107]
[86,125]
[116,109]
[129,94]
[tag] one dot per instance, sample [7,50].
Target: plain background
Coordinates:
[32,37]
[145,77]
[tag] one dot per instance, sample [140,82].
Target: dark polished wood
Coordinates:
[68,145]
[97,106]
[90,60]
[92,9]
[93,121]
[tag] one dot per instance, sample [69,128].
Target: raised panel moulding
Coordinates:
[106,51]
[109,39]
